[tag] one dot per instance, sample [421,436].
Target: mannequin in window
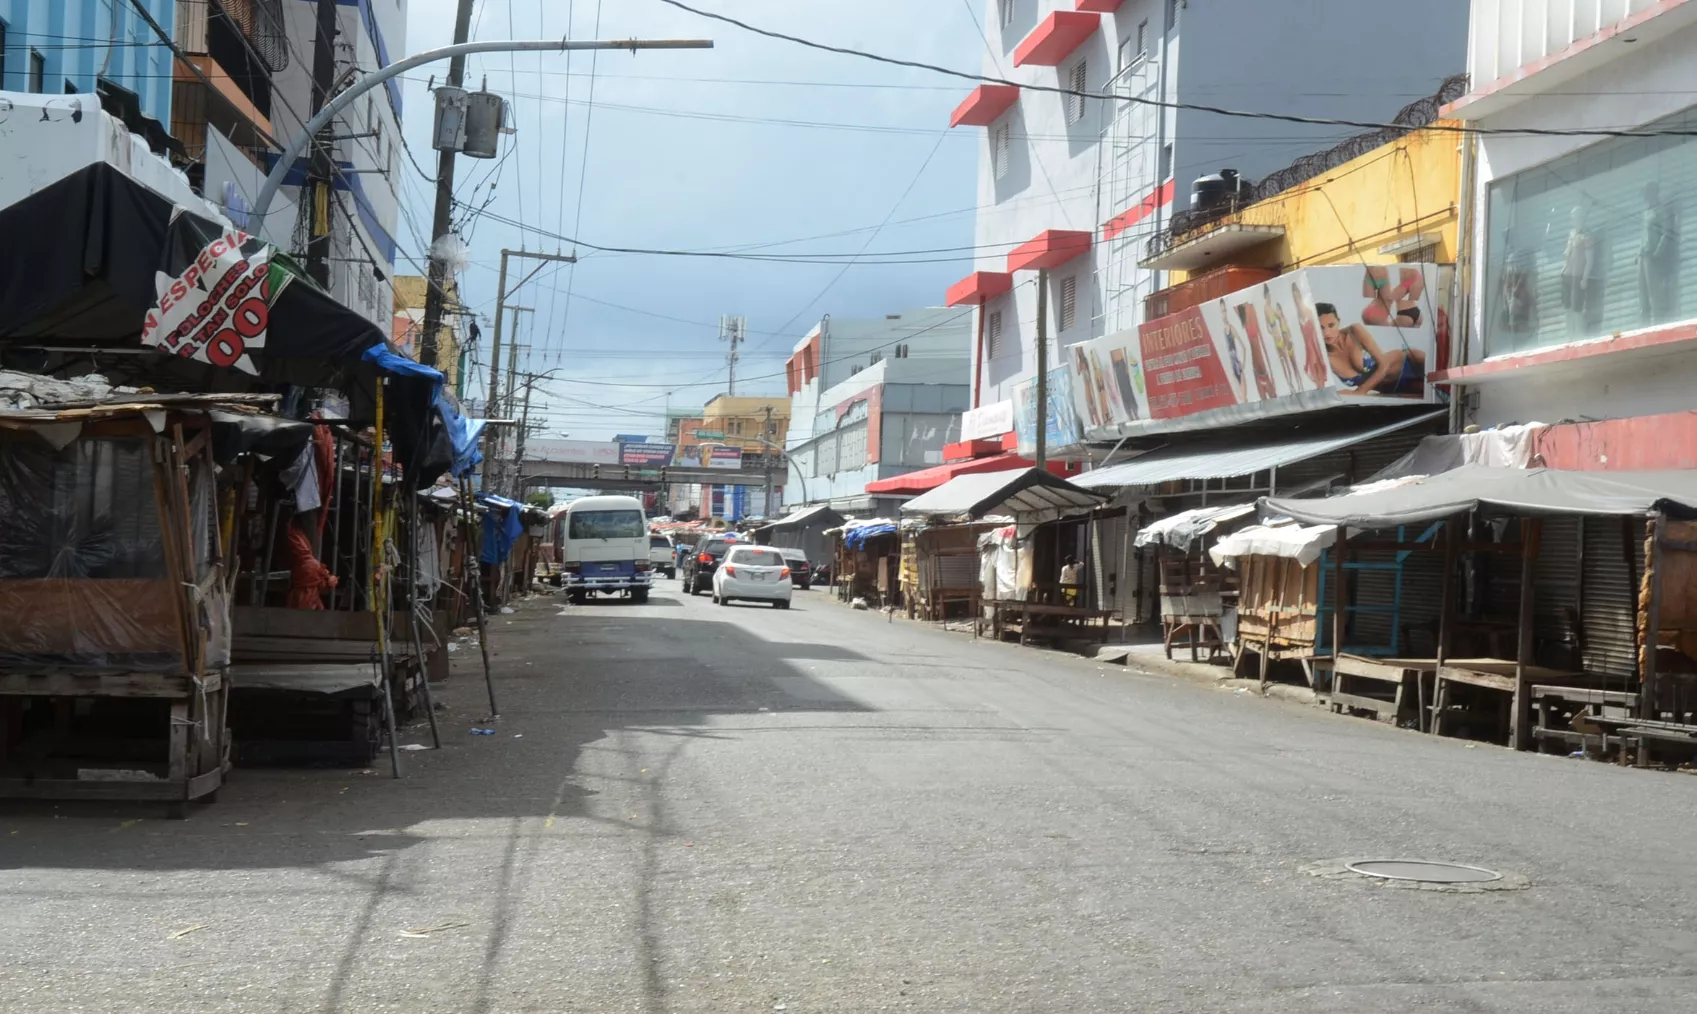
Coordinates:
[1518,288]
[1581,279]
[1658,259]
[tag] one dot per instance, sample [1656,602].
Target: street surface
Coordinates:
[698,808]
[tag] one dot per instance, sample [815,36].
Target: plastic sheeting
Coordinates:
[83,578]
[503,523]
[856,535]
[1292,542]
[1181,529]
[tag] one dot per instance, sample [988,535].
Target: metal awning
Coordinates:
[1216,460]
[1029,495]
[819,514]
[1533,491]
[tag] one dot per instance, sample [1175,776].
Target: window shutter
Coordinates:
[1075,102]
[993,334]
[1003,146]
[1069,302]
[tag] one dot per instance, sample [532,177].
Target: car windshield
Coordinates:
[757,557]
[716,548]
[658,542]
[606,525]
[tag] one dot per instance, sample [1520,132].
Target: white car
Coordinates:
[662,554]
[752,573]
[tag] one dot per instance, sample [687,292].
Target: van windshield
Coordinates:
[607,525]
[658,542]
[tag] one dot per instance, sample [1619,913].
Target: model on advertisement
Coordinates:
[1234,352]
[1265,389]
[1081,368]
[1313,358]
[1362,365]
[1283,345]
[1397,305]
[1129,378]
[1104,397]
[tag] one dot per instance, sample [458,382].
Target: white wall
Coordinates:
[1653,79]
[1507,35]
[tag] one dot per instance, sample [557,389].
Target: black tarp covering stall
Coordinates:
[79,276]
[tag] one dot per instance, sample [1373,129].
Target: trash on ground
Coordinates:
[860,604]
[185,931]
[414,746]
[508,610]
[462,631]
[482,732]
[425,931]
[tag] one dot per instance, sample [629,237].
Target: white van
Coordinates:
[603,545]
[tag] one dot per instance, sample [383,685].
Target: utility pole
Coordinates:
[766,452]
[316,203]
[501,312]
[1042,399]
[731,329]
[438,271]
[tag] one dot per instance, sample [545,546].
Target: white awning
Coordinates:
[1293,542]
[1031,495]
[1181,529]
[1214,461]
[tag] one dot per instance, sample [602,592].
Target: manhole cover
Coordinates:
[1423,871]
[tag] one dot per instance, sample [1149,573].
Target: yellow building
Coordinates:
[410,292]
[1395,203]
[753,424]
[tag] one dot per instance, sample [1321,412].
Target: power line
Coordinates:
[1324,121]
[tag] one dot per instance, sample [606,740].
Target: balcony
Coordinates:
[1055,38]
[1049,249]
[984,105]
[978,288]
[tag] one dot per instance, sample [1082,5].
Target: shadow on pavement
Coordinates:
[565,681]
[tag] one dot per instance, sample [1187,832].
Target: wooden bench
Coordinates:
[1391,689]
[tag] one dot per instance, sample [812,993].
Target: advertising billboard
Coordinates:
[1062,425]
[723,457]
[987,422]
[573,452]
[1304,340]
[647,455]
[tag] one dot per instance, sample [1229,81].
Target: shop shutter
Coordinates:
[957,570]
[1555,589]
[1609,594]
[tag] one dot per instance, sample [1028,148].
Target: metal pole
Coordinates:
[443,220]
[317,193]
[366,82]
[1042,400]
[413,533]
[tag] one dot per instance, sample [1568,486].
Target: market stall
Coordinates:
[1488,513]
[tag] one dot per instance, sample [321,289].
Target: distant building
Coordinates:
[410,291]
[873,398]
[54,47]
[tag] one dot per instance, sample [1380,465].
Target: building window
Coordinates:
[993,335]
[1075,100]
[1143,37]
[1006,12]
[37,73]
[1127,54]
[1003,145]
[901,351]
[1166,161]
[1584,246]
[1069,302]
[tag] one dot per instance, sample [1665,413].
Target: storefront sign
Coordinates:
[1298,342]
[652,455]
[212,295]
[709,434]
[723,457]
[626,438]
[987,422]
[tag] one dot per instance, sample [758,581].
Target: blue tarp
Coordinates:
[400,366]
[855,538]
[465,434]
[503,523]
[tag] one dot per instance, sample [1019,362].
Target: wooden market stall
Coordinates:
[116,575]
[1196,590]
[940,569]
[1500,513]
[1030,497]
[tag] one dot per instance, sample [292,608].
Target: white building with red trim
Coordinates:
[1582,250]
[1076,187]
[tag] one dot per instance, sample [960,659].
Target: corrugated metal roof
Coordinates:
[1031,495]
[1215,461]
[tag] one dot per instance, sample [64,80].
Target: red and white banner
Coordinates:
[213,295]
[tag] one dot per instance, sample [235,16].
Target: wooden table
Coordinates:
[1597,707]
[1062,618]
[1403,678]
[1501,674]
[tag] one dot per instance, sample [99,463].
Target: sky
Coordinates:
[757,142]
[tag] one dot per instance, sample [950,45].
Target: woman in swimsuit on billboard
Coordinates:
[1264,386]
[1283,344]
[1365,368]
[1313,358]
[1233,351]
[1399,306]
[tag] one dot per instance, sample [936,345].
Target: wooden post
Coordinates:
[1338,599]
[1647,703]
[1520,732]
[1445,621]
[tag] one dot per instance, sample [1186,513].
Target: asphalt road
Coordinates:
[699,808]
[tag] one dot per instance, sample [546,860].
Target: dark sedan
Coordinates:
[801,571]
[700,565]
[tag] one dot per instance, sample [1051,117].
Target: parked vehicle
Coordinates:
[700,565]
[752,573]
[801,571]
[662,554]
[603,544]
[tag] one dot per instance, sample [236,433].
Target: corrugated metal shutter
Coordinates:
[1609,594]
[1555,589]
[957,570]
[1358,463]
